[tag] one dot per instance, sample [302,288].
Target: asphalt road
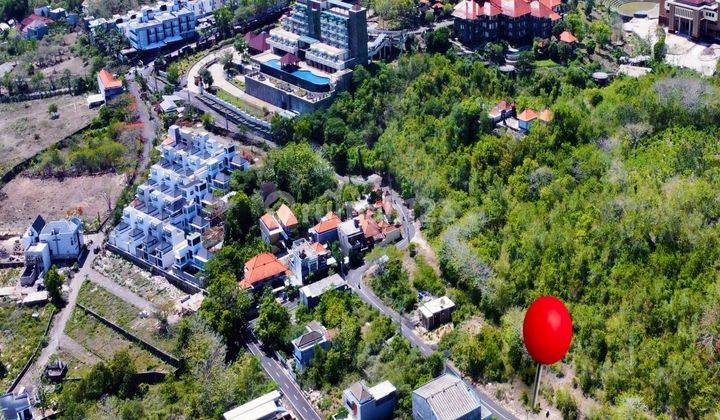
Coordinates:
[300,405]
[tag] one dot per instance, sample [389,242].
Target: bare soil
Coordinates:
[24,198]
[26,128]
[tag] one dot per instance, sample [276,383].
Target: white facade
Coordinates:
[164,222]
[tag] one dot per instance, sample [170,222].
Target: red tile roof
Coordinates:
[257,42]
[470,10]
[552,4]
[262,267]
[514,8]
[554,16]
[538,9]
[566,36]
[329,222]
[34,18]
[269,221]
[527,115]
[286,216]
[108,80]
[289,59]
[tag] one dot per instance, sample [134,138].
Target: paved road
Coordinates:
[300,405]
[354,280]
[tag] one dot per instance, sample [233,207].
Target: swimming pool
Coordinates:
[302,74]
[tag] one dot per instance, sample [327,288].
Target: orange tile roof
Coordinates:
[554,16]
[108,80]
[527,115]
[269,221]
[369,226]
[262,267]
[566,36]
[286,216]
[546,115]
[329,222]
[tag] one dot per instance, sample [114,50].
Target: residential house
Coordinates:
[109,86]
[304,346]
[376,403]
[568,38]
[278,226]
[308,258]
[447,397]
[436,312]
[310,295]
[42,11]
[16,407]
[265,407]
[378,232]
[57,13]
[501,111]
[47,243]
[163,224]
[526,119]
[264,270]
[514,21]
[326,230]
[35,26]
[350,236]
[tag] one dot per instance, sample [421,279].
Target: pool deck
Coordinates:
[268,55]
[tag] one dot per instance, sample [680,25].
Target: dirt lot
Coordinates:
[26,128]
[24,198]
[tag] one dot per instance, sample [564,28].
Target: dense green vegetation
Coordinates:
[610,207]
[365,346]
[205,386]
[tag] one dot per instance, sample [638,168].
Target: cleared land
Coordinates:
[24,198]
[103,343]
[155,289]
[20,333]
[125,315]
[26,128]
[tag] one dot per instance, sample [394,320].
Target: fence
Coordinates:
[184,282]
[160,354]
[30,361]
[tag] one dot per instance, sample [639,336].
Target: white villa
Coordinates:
[46,243]
[163,225]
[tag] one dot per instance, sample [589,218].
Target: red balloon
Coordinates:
[547,330]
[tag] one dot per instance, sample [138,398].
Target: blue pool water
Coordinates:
[303,74]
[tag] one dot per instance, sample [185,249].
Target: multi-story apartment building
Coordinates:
[163,225]
[697,18]
[515,21]
[154,27]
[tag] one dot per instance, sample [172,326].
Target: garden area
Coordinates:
[21,330]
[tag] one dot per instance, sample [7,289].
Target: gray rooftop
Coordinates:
[60,227]
[321,286]
[449,397]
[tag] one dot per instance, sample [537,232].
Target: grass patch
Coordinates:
[104,342]
[9,276]
[20,334]
[250,109]
[125,315]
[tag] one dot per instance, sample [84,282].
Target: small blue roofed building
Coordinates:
[376,403]
[304,346]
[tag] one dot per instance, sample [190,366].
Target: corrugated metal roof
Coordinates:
[449,397]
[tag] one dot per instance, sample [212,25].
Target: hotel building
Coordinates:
[696,18]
